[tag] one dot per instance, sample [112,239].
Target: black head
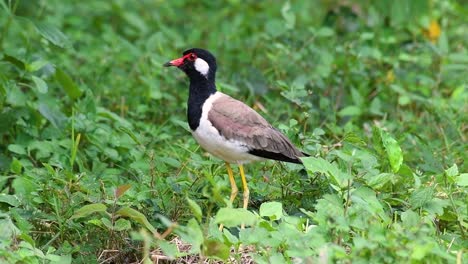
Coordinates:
[196,63]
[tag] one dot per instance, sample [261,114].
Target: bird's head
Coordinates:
[196,63]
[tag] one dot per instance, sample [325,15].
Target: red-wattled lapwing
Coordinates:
[228,128]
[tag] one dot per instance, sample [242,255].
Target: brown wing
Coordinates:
[235,120]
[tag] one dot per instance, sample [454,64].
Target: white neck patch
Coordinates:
[202,67]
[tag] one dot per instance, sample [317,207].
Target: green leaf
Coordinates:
[40,84]
[275,27]
[18,149]
[443,43]
[136,21]
[7,119]
[67,84]
[288,15]
[325,32]
[56,118]
[422,250]
[393,150]
[53,34]
[122,224]
[96,222]
[36,65]
[5,8]
[229,238]
[24,187]
[368,201]
[462,179]
[231,217]
[421,196]
[196,210]
[112,116]
[352,137]
[452,171]
[351,110]
[436,206]
[15,61]
[89,209]
[136,216]
[107,223]
[193,235]
[410,219]
[164,220]
[328,207]
[130,133]
[9,229]
[62,259]
[9,199]
[16,97]
[273,210]
[171,162]
[16,166]
[379,180]
[331,170]
[169,249]
[377,140]
[214,248]
[276,258]
[52,258]
[404,100]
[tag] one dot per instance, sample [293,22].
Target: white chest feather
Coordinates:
[208,137]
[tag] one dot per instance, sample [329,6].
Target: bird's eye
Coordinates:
[192,56]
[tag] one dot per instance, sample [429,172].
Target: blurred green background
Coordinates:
[95,145]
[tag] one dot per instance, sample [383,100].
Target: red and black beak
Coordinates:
[177,62]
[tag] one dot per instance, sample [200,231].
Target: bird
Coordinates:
[228,128]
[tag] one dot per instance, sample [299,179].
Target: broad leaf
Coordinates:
[67,84]
[18,149]
[15,61]
[331,170]
[40,84]
[393,150]
[89,209]
[272,210]
[192,233]
[421,196]
[53,34]
[230,217]
[36,65]
[169,249]
[12,200]
[56,118]
[368,201]
[122,224]
[196,210]
[463,179]
[214,248]
[452,171]
[136,216]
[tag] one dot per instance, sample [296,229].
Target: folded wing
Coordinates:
[235,120]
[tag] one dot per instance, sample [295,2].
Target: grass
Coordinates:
[97,164]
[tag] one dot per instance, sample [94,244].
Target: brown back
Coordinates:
[235,120]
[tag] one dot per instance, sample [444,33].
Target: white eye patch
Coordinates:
[202,66]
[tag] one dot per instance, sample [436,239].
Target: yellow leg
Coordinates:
[234,189]
[244,185]
[246,190]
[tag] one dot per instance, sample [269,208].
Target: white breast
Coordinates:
[208,137]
